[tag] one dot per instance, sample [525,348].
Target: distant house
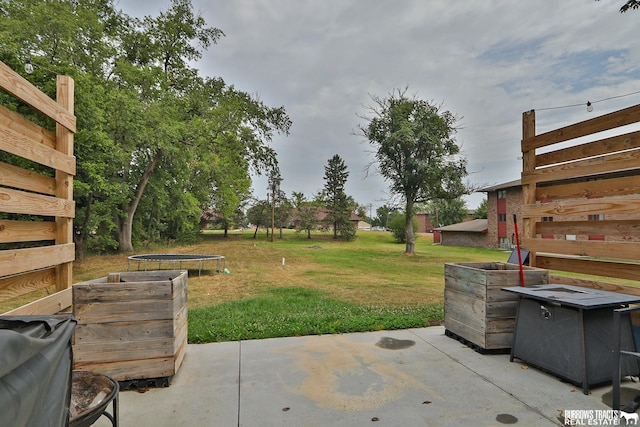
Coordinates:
[322,213]
[467,233]
[208,218]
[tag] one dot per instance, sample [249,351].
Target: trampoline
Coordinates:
[176,260]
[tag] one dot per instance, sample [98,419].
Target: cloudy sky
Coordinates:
[487,61]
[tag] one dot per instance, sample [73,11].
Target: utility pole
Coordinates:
[274,186]
[273,207]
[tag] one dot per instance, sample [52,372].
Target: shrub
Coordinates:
[397,227]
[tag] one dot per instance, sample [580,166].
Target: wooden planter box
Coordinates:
[134,328]
[476,310]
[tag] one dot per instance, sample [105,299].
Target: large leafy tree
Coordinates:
[259,215]
[383,214]
[447,212]
[156,142]
[482,210]
[335,199]
[630,4]
[415,151]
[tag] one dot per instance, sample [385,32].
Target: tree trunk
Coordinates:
[410,248]
[255,233]
[125,227]
[125,230]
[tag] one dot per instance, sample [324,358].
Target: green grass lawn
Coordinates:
[328,286]
[325,286]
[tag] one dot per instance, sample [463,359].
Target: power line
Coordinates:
[588,103]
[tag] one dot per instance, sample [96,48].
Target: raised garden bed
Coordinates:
[131,325]
[476,310]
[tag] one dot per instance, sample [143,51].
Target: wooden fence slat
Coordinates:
[591,149]
[23,179]
[596,267]
[592,248]
[592,284]
[605,187]
[20,284]
[18,86]
[16,143]
[598,124]
[26,231]
[613,228]
[624,161]
[617,205]
[19,261]
[51,304]
[16,201]
[28,129]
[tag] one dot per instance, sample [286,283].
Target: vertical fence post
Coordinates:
[64,181]
[528,189]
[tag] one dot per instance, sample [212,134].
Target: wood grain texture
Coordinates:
[23,260]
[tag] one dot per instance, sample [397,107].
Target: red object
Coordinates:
[515,224]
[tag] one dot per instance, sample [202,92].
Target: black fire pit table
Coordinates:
[568,331]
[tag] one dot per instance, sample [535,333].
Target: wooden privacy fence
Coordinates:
[581,198]
[36,201]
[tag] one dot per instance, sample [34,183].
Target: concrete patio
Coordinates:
[416,377]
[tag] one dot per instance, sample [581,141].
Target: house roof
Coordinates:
[510,184]
[321,214]
[475,226]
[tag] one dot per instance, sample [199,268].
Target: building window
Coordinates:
[547,219]
[502,217]
[596,217]
[502,194]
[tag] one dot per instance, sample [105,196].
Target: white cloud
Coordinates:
[485,60]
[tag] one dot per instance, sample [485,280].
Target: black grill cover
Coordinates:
[35,370]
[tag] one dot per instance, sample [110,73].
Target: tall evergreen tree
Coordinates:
[335,198]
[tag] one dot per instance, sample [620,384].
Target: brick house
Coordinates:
[503,200]
[424,222]
[426,226]
[321,215]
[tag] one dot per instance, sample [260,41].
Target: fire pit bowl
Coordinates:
[91,393]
